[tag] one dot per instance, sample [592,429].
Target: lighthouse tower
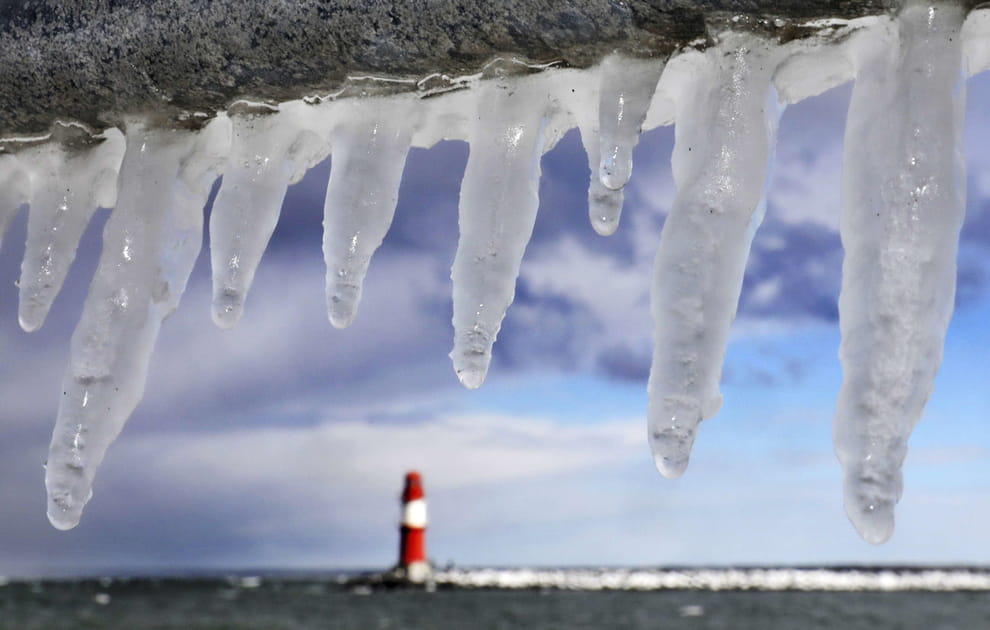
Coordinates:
[412,531]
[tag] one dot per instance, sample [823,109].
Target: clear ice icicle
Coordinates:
[626,92]
[369,154]
[498,204]
[268,154]
[604,204]
[68,183]
[150,244]
[903,189]
[726,119]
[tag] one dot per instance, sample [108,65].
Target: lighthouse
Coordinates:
[412,531]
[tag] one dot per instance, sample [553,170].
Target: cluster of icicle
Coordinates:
[903,200]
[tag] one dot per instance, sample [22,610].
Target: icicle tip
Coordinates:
[340,320]
[670,466]
[875,522]
[29,320]
[342,302]
[471,379]
[471,356]
[604,210]
[228,305]
[672,427]
[615,170]
[870,500]
[65,505]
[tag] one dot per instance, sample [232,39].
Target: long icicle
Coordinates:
[269,152]
[68,185]
[903,190]
[369,155]
[150,244]
[498,203]
[726,120]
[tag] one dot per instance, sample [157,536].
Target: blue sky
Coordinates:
[282,443]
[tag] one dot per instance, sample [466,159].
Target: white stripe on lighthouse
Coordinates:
[414,514]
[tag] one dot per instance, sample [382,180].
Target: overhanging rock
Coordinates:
[94,61]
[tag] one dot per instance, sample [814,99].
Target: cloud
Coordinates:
[268,493]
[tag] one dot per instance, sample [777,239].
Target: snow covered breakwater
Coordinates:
[838,580]
[902,190]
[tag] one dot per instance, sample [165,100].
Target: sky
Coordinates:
[282,443]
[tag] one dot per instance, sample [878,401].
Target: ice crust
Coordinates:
[903,197]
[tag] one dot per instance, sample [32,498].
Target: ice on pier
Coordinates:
[726,117]
[903,191]
[499,197]
[369,153]
[150,244]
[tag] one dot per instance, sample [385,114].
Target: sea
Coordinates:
[504,599]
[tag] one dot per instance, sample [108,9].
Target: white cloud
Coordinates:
[453,451]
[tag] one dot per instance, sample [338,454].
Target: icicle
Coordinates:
[369,154]
[71,178]
[269,153]
[498,203]
[627,88]
[150,244]
[903,202]
[15,189]
[604,204]
[726,120]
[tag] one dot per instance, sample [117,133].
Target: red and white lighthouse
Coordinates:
[412,541]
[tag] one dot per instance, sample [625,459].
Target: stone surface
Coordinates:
[95,61]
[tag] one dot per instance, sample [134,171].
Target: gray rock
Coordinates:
[96,61]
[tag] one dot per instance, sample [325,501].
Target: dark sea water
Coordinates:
[189,604]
